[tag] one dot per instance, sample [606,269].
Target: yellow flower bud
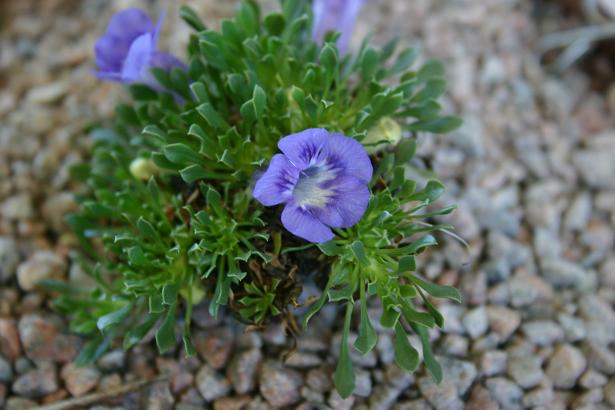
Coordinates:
[386,132]
[143,168]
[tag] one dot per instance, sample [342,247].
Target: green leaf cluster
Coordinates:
[184,228]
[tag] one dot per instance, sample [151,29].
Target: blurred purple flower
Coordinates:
[322,178]
[335,15]
[127,51]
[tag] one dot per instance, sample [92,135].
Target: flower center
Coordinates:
[310,189]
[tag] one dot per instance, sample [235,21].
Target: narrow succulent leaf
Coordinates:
[344,377]
[406,356]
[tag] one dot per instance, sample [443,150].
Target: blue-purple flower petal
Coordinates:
[349,154]
[301,147]
[303,224]
[322,178]
[127,51]
[347,204]
[130,24]
[137,61]
[277,183]
[335,15]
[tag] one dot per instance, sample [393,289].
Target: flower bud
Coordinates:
[386,132]
[143,168]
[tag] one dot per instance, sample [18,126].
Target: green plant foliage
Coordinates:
[167,219]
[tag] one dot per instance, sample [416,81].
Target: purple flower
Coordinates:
[322,178]
[335,15]
[127,51]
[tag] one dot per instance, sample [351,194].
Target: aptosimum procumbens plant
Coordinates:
[269,158]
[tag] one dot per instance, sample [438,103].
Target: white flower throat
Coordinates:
[309,191]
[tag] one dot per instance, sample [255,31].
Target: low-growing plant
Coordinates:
[182,188]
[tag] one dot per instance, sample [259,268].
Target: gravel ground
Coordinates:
[532,169]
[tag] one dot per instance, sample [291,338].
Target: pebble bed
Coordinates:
[532,170]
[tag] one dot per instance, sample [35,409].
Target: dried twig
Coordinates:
[98,397]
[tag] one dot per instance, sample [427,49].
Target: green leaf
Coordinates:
[330,248]
[113,318]
[260,101]
[136,334]
[344,377]
[390,316]
[428,357]
[194,173]
[94,349]
[155,304]
[414,316]
[431,69]
[165,335]
[169,293]
[441,125]
[369,63]
[142,92]
[368,337]
[406,356]
[437,291]
[432,191]
[405,151]
[315,308]
[188,346]
[213,117]
[147,230]
[275,23]
[405,59]
[328,58]
[190,17]
[406,264]
[181,154]
[136,256]
[359,252]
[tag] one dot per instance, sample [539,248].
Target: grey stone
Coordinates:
[211,384]
[505,392]
[541,396]
[600,357]
[596,167]
[113,360]
[41,265]
[215,346]
[18,207]
[242,370]
[542,332]
[503,321]
[525,370]
[20,403]
[363,383]
[565,366]
[476,322]
[609,392]
[385,348]
[579,212]
[37,382]
[302,360]
[493,362]
[79,379]
[564,274]
[47,93]
[6,372]
[9,258]
[455,345]
[42,340]
[591,379]
[574,328]
[158,397]
[279,385]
